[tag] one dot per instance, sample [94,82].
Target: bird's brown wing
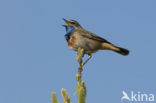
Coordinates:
[92,36]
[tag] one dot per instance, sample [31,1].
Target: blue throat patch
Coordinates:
[69,30]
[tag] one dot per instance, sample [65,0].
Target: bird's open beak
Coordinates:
[64,25]
[67,22]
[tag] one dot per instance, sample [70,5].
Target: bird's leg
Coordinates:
[90,56]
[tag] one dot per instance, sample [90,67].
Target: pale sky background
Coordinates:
[35,60]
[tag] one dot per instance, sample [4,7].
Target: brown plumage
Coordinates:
[91,43]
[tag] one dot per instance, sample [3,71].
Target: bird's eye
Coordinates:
[72,23]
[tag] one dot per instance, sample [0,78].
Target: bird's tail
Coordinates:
[122,51]
[109,46]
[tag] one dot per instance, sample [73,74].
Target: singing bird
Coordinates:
[77,37]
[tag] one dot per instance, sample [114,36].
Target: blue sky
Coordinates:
[35,60]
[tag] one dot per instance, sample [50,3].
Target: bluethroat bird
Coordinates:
[77,37]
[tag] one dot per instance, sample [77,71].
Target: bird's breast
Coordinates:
[72,42]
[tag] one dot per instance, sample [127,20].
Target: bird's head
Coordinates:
[73,23]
